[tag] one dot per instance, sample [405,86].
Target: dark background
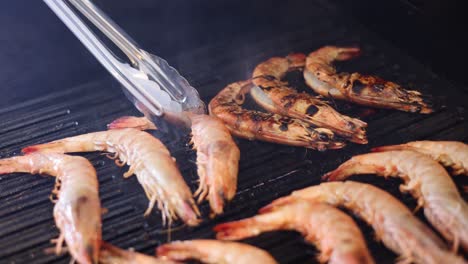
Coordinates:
[39,55]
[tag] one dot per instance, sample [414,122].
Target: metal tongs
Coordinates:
[156,88]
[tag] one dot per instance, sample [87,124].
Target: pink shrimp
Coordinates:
[217,160]
[393,223]
[425,179]
[335,233]
[77,211]
[214,251]
[113,255]
[452,154]
[148,158]
[217,156]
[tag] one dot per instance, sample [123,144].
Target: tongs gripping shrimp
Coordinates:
[217,156]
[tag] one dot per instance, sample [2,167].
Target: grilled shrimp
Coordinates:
[214,251]
[113,255]
[217,160]
[452,154]
[227,106]
[425,179]
[217,156]
[148,158]
[393,223]
[77,210]
[140,123]
[277,97]
[367,90]
[335,233]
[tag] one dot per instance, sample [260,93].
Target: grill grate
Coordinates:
[267,171]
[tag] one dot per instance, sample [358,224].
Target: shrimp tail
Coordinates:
[25,163]
[190,213]
[177,251]
[93,253]
[10,166]
[348,53]
[112,255]
[277,203]
[140,123]
[350,167]
[216,201]
[237,229]
[52,147]
[269,218]
[392,147]
[30,149]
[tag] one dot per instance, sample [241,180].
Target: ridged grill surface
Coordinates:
[267,171]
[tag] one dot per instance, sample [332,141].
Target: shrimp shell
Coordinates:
[277,97]
[425,179]
[392,222]
[335,233]
[217,161]
[214,251]
[148,159]
[77,212]
[217,156]
[249,124]
[367,90]
[114,255]
[452,154]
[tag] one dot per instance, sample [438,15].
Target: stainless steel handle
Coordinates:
[154,86]
[101,52]
[109,28]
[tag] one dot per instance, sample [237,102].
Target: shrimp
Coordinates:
[335,233]
[148,158]
[367,90]
[392,221]
[425,179]
[275,128]
[452,154]
[217,160]
[277,97]
[217,156]
[214,251]
[113,255]
[140,123]
[77,210]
